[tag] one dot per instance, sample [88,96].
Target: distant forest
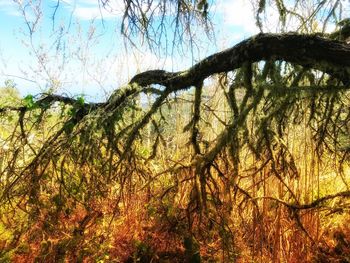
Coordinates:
[242,157]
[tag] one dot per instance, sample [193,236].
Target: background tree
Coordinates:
[238,190]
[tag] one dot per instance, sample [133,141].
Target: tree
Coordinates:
[272,85]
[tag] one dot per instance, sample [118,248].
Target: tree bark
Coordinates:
[313,51]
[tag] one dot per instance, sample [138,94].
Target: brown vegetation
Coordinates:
[244,157]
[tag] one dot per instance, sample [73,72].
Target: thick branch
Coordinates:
[330,56]
[48,100]
[313,51]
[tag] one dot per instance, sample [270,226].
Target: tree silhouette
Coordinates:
[270,84]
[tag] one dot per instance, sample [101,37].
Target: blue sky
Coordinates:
[103,62]
[90,57]
[92,42]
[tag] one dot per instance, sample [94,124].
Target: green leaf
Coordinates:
[80,101]
[29,102]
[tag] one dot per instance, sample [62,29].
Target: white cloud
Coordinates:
[89,13]
[242,15]
[238,13]
[91,9]
[9,8]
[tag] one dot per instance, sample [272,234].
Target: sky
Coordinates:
[68,60]
[93,65]
[81,51]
